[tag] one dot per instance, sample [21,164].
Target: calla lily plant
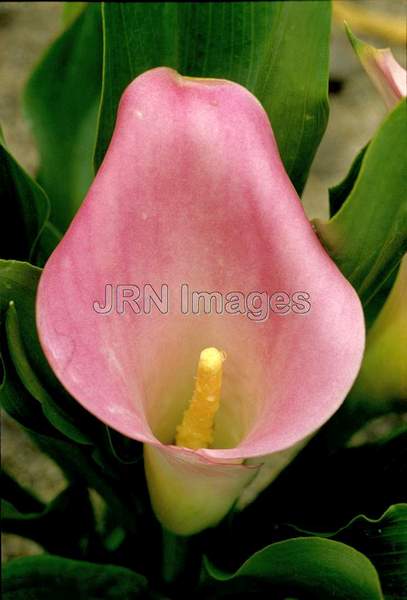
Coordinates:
[192,192]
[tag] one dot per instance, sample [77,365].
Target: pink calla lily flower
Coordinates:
[192,191]
[388,77]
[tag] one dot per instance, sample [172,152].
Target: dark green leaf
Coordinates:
[47,242]
[63,527]
[15,399]
[20,498]
[278,50]
[320,492]
[339,193]
[17,282]
[54,411]
[367,237]
[61,101]
[309,568]
[25,209]
[377,302]
[384,542]
[52,578]
[18,285]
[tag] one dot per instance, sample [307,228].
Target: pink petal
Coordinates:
[394,75]
[389,78]
[192,190]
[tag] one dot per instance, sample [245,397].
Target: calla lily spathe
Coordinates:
[192,190]
[388,77]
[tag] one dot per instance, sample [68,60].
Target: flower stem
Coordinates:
[180,560]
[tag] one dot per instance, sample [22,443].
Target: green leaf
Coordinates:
[278,50]
[47,242]
[372,310]
[320,491]
[15,399]
[384,542]
[54,411]
[314,568]
[52,577]
[367,237]
[64,526]
[25,209]
[18,285]
[61,101]
[339,193]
